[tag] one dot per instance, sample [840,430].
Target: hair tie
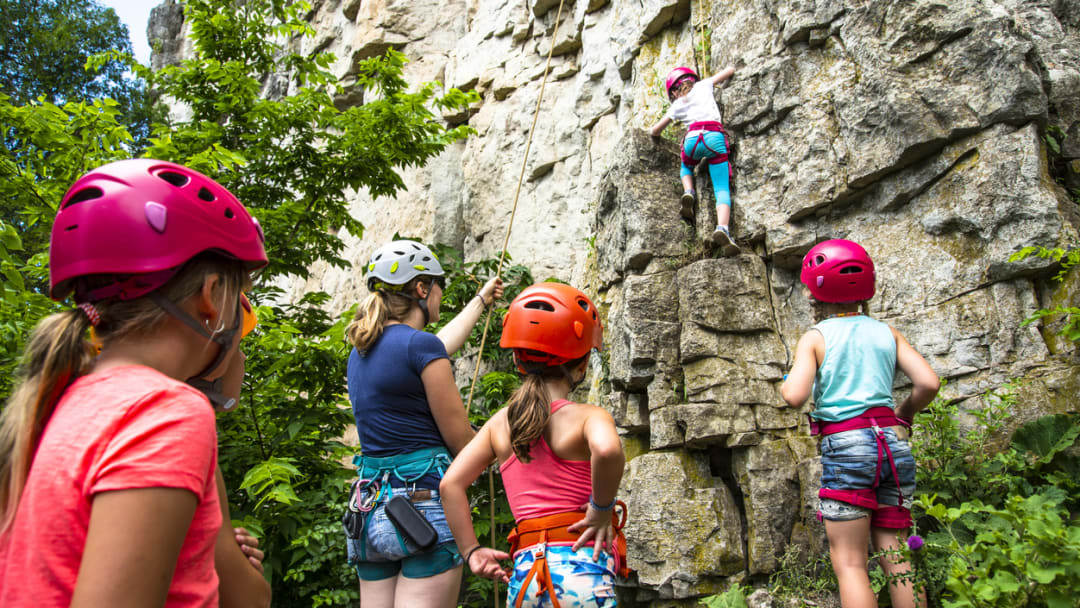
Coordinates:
[91,313]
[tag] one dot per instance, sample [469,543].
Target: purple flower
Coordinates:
[915,542]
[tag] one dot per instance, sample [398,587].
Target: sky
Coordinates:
[134,14]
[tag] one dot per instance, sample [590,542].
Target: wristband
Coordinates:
[469,554]
[483,302]
[592,503]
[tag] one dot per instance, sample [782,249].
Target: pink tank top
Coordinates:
[546,484]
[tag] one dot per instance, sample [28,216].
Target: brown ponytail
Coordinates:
[376,310]
[529,407]
[57,353]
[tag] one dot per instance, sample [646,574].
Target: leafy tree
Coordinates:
[44,49]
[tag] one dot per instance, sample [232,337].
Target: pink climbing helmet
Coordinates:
[676,76]
[145,218]
[838,270]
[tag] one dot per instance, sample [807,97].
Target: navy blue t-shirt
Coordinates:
[388,399]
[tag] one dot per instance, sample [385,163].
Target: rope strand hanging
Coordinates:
[498,273]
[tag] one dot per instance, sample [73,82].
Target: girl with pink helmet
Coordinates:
[693,104]
[108,491]
[848,360]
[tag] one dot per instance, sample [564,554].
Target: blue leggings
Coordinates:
[714,140]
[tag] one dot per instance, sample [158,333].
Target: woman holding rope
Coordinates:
[410,420]
[561,463]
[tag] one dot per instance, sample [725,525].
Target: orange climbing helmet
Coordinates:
[676,76]
[550,324]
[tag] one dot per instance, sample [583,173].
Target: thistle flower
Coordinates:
[915,542]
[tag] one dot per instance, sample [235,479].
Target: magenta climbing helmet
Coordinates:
[676,76]
[838,271]
[145,218]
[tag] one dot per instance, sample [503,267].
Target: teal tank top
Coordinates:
[857,373]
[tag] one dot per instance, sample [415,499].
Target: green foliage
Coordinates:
[294,158]
[801,577]
[732,598]
[1071,327]
[46,147]
[998,526]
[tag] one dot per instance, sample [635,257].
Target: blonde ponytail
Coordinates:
[378,308]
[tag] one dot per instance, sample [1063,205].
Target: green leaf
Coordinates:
[1047,436]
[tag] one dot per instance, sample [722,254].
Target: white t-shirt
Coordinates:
[698,105]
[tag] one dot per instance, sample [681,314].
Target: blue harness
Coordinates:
[376,473]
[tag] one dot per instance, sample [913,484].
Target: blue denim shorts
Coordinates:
[849,461]
[384,554]
[579,581]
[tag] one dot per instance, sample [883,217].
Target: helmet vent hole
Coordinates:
[71,227]
[818,259]
[229,213]
[177,179]
[206,195]
[86,194]
[850,270]
[540,305]
[377,257]
[584,305]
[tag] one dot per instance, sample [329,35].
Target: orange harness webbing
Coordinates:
[539,531]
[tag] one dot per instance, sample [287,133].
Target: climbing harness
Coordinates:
[876,418]
[535,534]
[374,487]
[700,128]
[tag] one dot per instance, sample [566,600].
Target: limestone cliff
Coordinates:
[915,128]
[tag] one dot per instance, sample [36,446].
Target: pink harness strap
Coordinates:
[896,517]
[717,157]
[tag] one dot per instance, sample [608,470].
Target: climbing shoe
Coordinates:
[721,237]
[688,199]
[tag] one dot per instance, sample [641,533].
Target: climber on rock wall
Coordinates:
[848,360]
[693,104]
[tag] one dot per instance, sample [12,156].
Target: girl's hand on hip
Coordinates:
[597,527]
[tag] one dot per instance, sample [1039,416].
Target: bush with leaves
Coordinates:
[1070,315]
[997,526]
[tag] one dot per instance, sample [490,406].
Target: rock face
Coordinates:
[915,128]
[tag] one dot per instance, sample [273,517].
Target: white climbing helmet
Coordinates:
[399,262]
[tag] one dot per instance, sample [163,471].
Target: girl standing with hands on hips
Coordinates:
[410,421]
[108,494]
[848,361]
[557,458]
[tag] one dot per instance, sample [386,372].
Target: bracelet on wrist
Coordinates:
[469,554]
[592,503]
[483,302]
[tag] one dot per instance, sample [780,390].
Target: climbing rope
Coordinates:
[498,273]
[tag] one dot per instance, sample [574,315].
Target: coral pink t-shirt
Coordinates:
[125,428]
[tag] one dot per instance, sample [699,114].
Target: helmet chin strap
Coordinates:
[224,339]
[422,302]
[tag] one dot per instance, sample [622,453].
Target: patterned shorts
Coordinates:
[579,581]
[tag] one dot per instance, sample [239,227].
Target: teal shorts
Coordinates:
[384,556]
